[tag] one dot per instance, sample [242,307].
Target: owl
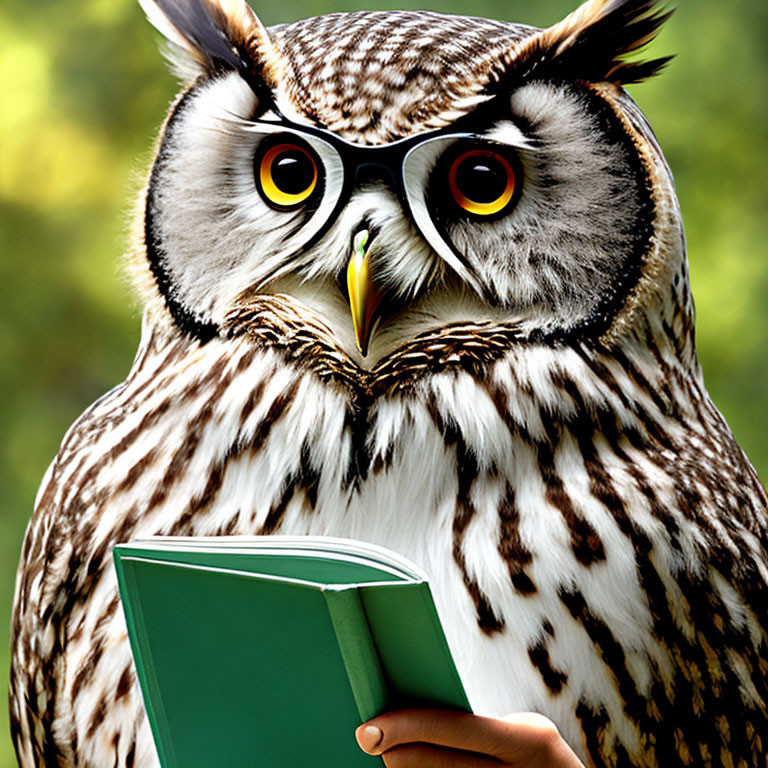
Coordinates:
[420,280]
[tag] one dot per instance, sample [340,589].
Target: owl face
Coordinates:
[399,171]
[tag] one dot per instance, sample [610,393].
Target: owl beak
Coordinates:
[365,298]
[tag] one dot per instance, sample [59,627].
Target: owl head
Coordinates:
[385,173]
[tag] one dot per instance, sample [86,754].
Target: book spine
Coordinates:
[361,659]
[141,650]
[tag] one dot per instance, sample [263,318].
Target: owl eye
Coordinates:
[286,175]
[482,182]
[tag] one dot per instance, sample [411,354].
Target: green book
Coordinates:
[269,651]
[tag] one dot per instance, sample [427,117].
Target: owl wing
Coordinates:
[682,491]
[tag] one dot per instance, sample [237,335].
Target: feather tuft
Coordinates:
[590,44]
[214,36]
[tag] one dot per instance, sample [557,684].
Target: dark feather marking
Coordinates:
[553,678]
[306,478]
[675,340]
[467,472]
[500,400]
[511,547]
[309,477]
[276,410]
[182,526]
[108,613]
[254,397]
[465,511]
[276,512]
[86,670]
[228,528]
[357,420]
[188,445]
[130,756]
[595,362]
[124,530]
[642,382]
[585,427]
[447,429]
[382,462]
[14,722]
[136,471]
[202,501]
[125,683]
[664,368]
[586,544]
[97,718]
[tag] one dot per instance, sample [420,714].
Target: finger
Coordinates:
[458,730]
[428,756]
[514,739]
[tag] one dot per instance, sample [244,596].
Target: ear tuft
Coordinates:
[590,44]
[215,36]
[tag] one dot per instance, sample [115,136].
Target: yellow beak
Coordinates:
[364,298]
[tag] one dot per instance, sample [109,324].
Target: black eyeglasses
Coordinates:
[405,165]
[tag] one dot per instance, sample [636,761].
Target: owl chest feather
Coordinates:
[534,519]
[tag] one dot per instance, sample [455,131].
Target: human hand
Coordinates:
[431,738]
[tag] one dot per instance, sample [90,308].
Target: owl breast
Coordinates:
[446,452]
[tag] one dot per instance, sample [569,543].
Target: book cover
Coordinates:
[270,651]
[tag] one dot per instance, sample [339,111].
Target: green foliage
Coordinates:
[82,93]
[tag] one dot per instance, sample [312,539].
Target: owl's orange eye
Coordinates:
[287,175]
[482,181]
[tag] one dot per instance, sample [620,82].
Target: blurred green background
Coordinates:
[83,91]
